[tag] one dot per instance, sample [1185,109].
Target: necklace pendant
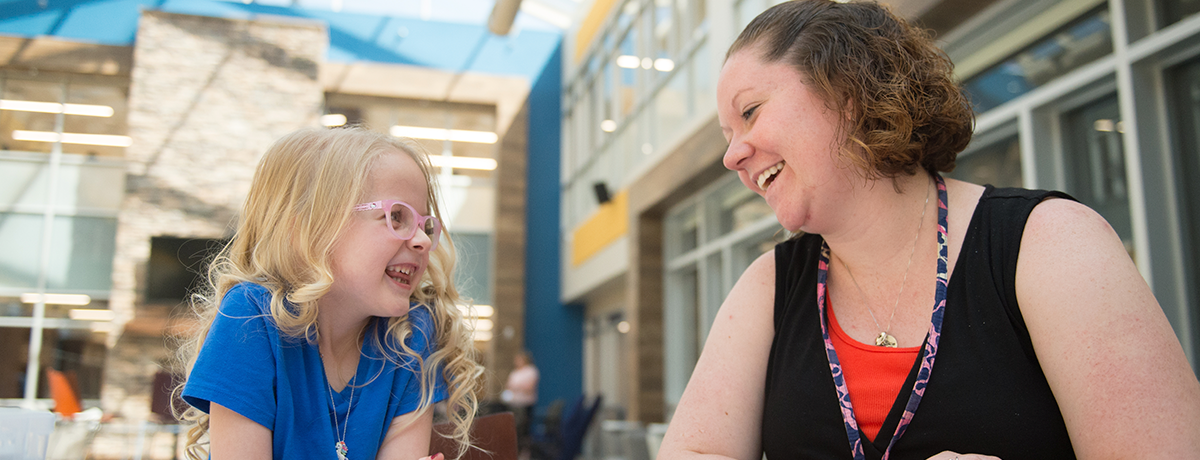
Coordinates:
[885,340]
[341,450]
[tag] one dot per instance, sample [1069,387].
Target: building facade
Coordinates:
[1093,97]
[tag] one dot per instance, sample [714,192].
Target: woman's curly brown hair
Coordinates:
[908,112]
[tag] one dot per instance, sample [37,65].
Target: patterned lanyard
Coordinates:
[931,341]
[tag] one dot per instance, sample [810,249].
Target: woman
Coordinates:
[916,317]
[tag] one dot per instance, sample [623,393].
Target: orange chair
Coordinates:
[495,438]
[66,400]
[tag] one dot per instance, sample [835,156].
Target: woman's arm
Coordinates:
[720,414]
[233,436]
[1112,360]
[408,437]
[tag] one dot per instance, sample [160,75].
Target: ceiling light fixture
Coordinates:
[626,61]
[57,299]
[91,314]
[477,311]
[445,161]
[73,138]
[664,65]
[439,134]
[54,107]
[333,120]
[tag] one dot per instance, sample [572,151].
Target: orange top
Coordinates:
[874,375]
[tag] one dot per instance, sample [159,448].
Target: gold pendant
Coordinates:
[885,340]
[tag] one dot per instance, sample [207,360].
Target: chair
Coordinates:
[575,428]
[565,441]
[66,399]
[494,436]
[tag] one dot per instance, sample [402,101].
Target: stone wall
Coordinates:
[207,96]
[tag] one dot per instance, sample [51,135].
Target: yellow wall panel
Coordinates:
[608,224]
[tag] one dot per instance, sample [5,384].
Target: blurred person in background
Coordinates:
[520,395]
[914,316]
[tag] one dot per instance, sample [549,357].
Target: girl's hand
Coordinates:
[437,456]
[947,455]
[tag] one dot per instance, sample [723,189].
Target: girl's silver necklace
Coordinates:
[885,339]
[339,431]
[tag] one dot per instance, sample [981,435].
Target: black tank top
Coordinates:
[987,393]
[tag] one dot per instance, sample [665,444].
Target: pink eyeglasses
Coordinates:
[404,221]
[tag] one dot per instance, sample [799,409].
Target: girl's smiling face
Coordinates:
[374,272]
[784,140]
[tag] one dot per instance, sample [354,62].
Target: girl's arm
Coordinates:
[1115,365]
[233,436]
[408,437]
[720,414]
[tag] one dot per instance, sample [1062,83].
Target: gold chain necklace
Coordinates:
[884,339]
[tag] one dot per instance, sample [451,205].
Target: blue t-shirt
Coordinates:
[279,382]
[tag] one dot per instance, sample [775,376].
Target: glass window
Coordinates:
[584,127]
[682,338]
[715,291]
[1096,163]
[601,106]
[472,270]
[745,252]
[77,353]
[996,163]
[1076,44]
[666,31]
[704,91]
[1186,88]
[735,207]
[629,150]
[1172,11]
[683,232]
[610,95]
[84,184]
[81,251]
[627,62]
[629,12]
[703,266]
[672,106]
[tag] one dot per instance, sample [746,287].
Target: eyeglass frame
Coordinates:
[386,205]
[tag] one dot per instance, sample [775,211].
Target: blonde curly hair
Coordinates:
[299,202]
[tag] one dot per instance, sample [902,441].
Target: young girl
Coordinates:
[331,324]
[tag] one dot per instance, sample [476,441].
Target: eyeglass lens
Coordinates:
[404,219]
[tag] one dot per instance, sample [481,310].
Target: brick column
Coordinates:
[207,96]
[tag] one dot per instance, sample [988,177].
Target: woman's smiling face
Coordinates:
[783,140]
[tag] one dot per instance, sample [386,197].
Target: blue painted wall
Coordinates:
[352,37]
[553,331]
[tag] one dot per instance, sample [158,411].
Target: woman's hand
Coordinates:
[947,455]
